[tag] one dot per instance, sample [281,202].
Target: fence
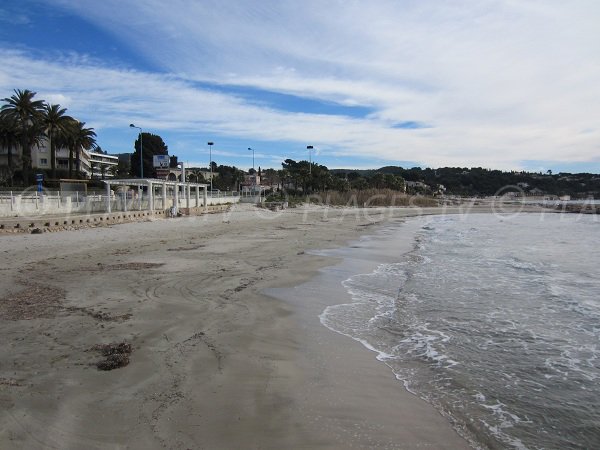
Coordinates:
[28,203]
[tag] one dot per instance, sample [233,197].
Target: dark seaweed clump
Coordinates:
[116,355]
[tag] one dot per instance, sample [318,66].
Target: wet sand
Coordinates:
[215,362]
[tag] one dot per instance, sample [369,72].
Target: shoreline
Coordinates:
[368,407]
[215,362]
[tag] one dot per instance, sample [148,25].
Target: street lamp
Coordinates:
[252,150]
[210,144]
[141,151]
[254,170]
[309,148]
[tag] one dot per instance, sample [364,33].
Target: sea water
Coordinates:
[495,321]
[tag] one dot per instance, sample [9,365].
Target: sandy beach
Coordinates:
[217,360]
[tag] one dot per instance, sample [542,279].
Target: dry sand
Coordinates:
[214,363]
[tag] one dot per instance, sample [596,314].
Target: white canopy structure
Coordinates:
[154,184]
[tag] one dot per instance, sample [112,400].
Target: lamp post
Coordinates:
[309,148]
[141,151]
[210,144]
[254,170]
[252,150]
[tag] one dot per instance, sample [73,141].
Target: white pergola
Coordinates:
[153,183]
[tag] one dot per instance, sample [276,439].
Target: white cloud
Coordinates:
[498,81]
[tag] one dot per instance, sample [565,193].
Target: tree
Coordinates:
[339,183]
[56,127]
[297,173]
[319,178]
[9,139]
[78,137]
[151,145]
[271,177]
[393,182]
[359,183]
[26,114]
[229,178]
[123,168]
[378,181]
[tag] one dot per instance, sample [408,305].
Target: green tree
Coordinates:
[78,137]
[308,176]
[339,182]
[393,182]
[151,145]
[56,127]
[320,178]
[123,168]
[359,183]
[229,178]
[378,181]
[271,177]
[26,113]
[9,139]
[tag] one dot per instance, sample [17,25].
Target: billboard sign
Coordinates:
[161,161]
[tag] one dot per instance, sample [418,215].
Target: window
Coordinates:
[44,161]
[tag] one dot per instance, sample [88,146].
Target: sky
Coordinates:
[501,84]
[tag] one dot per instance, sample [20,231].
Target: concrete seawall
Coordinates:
[73,221]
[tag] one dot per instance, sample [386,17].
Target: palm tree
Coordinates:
[26,114]
[9,139]
[79,137]
[56,126]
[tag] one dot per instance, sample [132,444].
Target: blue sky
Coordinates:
[495,83]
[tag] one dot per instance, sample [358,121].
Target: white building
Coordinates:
[100,165]
[41,159]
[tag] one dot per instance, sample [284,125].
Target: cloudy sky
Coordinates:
[509,84]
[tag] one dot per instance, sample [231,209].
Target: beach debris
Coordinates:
[124,266]
[183,249]
[36,301]
[36,231]
[99,315]
[10,382]
[115,354]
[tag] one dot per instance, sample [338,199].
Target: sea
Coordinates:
[495,321]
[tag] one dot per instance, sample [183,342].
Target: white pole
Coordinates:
[150,196]
[108,198]
[210,144]
[176,197]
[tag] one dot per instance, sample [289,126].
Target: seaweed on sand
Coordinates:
[116,355]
